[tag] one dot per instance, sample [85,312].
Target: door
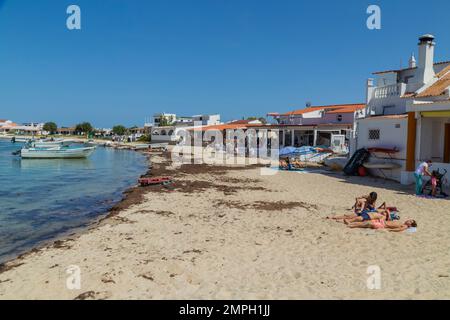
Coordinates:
[447,143]
[338,142]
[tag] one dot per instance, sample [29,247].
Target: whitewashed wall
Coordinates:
[391,136]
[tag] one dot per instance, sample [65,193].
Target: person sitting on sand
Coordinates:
[365,203]
[298,164]
[283,164]
[394,226]
[286,164]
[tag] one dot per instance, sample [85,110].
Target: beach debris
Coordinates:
[92,295]
[147,276]
[148,181]
[85,295]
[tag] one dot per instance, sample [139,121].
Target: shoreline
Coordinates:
[59,239]
[230,233]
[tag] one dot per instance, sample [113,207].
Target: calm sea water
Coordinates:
[40,199]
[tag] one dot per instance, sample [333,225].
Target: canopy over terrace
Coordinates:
[307,135]
[234,126]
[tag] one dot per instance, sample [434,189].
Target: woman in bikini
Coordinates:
[393,226]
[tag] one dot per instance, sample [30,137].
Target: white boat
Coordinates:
[44,143]
[57,152]
[382,165]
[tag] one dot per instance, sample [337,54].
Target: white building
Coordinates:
[164,119]
[173,124]
[207,120]
[409,109]
[318,125]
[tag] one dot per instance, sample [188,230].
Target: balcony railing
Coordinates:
[393,90]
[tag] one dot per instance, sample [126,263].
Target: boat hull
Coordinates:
[76,153]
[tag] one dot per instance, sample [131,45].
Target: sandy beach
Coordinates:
[232,233]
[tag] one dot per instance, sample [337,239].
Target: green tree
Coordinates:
[50,127]
[84,128]
[166,121]
[119,130]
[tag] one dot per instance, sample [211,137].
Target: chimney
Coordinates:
[370,88]
[412,61]
[425,70]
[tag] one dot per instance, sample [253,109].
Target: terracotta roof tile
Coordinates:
[439,87]
[330,108]
[348,109]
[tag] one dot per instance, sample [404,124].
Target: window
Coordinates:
[374,134]
[339,117]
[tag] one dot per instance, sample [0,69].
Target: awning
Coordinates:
[436,114]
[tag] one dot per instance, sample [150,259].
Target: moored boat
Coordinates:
[57,152]
[44,143]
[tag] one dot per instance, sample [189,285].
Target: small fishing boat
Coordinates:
[56,152]
[44,143]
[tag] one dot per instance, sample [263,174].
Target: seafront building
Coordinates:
[165,126]
[8,126]
[330,125]
[409,110]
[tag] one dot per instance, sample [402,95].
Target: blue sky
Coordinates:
[238,58]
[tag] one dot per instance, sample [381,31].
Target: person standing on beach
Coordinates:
[422,169]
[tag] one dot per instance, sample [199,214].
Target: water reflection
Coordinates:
[40,198]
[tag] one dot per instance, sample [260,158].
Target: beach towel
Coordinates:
[411,230]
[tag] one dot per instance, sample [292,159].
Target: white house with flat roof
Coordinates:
[409,109]
[173,124]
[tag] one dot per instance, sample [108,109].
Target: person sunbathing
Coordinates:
[297,164]
[389,213]
[284,164]
[393,226]
[367,216]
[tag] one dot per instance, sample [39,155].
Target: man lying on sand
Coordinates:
[394,226]
[388,214]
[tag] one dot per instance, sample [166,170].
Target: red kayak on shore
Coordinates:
[154,180]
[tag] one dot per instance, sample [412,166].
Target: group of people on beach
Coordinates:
[367,215]
[289,164]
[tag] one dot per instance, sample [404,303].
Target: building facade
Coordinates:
[330,126]
[409,109]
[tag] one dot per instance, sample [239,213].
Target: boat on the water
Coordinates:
[44,143]
[56,152]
